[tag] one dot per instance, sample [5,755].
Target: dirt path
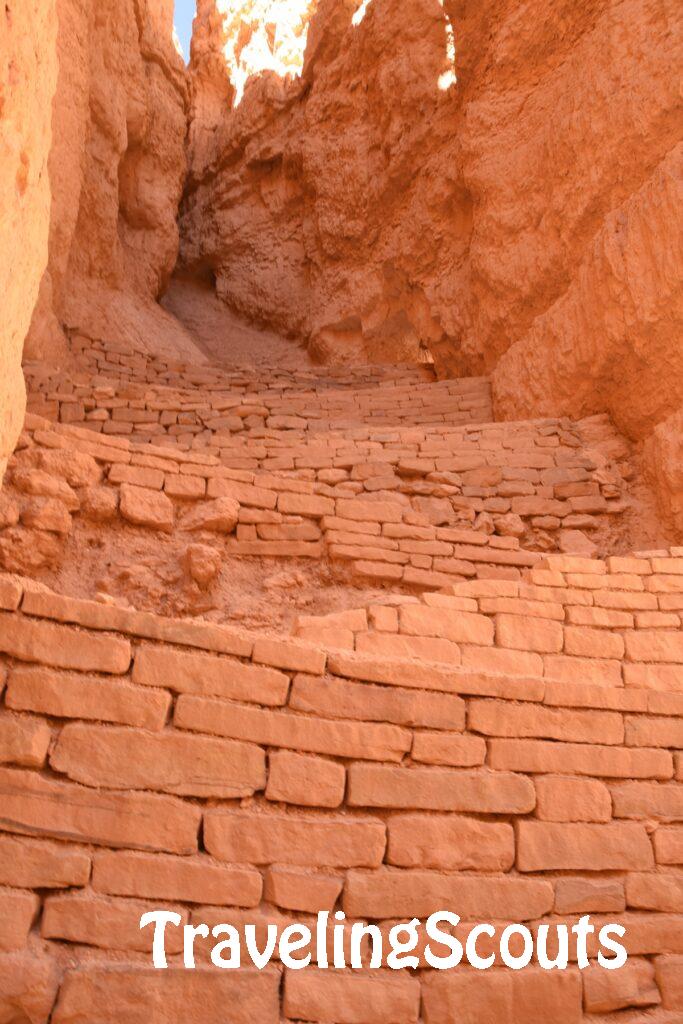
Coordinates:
[223,337]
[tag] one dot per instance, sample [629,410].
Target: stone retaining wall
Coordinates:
[151,762]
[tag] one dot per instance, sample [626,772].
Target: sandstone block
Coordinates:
[501,661]
[548,846]
[162,877]
[62,647]
[525,997]
[383,618]
[574,563]
[538,756]
[647,800]
[119,758]
[242,493]
[441,748]
[649,934]
[378,570]
[204,674]
[632,985]
[651,890]
[41,484]
[502,718]
[308,781]
[296,889]
[605,618]
[621,600]
[635,566]
[332,697]
[592,643]
[23,740]
[49,514]
[654,677]
[75,695]
[562,799]
[367,553]
[377,742]
[18,908]
[668,842]
[313,505]
[654,731]
[590,695]
[180,485]
[569,669]
[99,504]
[218,516]
[370,529]
[669,975]
[586,896]
[305,530]
[9,515]
[449,843]
[369,511]
[668,565]
[655,645]
[293,656]
[34,864]
[140,476]
[106,923]
[28,987]
[145,507]
[407,894]
[520,606]
[253,838]
[36,805]
[528,634]
[10,594]
[437,789]
[203,563]
[464,627]
[376,997]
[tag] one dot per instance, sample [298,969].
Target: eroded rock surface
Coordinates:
[116,168]
[293,199]
[27,82]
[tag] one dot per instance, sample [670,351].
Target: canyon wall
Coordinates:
[27,83]
[304,202]
[117,168]
[522,219]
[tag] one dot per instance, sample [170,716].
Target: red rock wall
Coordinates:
[117,168]
[525,220]
[27,82]
[234,778]
[305,202]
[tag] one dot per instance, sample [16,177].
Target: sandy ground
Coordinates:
[222,336]
[134,567]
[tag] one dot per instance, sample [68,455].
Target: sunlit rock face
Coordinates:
[264,35]
[28,72]
[117,168]
[307,201]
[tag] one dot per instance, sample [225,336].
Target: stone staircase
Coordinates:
[401,478]
[418,507]
[482,723]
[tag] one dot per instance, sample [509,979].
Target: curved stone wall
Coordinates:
[244,779]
